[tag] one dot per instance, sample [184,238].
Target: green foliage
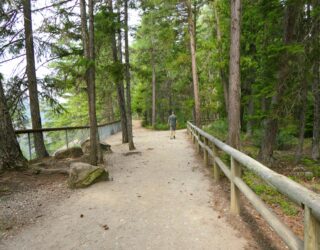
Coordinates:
[219,129]
[286,139]
[312,165]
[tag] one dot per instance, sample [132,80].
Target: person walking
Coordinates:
[172,121]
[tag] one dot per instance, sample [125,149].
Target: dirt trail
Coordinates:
[159,199]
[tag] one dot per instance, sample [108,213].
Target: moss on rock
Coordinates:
[83,175]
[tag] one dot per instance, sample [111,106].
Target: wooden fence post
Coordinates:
[205,152]
[216,169]
[311,230]
[193,136]
[235,192]
[199,140]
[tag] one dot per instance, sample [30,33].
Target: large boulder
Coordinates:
[73,152]
[105,148]
[83,175]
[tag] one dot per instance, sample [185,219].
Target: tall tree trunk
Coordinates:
[84,30]
[119,81]
[110,108]
[302,118]
[10,153]
[316,85]
[95,154]
[304,84]
[128,77]
[191,26]
[153,90]
[272,123]
[250,113]
[32,81]
[316,112]
[234,78]
[222,73]
[88,48]
[125,120]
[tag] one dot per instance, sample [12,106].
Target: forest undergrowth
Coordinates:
[306,172]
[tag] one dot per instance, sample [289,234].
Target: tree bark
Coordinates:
[32,81]
[316,112]
[191,26]
[316,85]
[302,119]
[95,154]
[234,78]
[304,86]
[250,113]
[88,48]
[84,29]
[153,90]
[10,154]
[125,120]
[119,81]
[128,77]
[272,126]
[222,73]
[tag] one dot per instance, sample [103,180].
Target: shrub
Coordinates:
[286,139]
[219,129]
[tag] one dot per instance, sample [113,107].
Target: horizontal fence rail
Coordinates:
[62,137]
[302,196]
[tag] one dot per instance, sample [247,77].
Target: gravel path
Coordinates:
[159,199]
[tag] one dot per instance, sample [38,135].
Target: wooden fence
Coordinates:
[302,196]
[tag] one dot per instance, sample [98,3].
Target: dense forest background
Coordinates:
[179,45]
[279,67]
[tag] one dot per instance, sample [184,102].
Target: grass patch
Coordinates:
[312,165]
[269,194]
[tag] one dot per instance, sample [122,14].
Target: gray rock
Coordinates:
[74,152]
[105,148]
[83,175]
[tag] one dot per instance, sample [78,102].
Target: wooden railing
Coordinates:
[302,196]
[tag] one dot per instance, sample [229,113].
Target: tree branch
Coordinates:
[52,5]
[13,58]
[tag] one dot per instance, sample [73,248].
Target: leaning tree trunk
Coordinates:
[191,26]
[234,78]
[32,81]
[10,153]
[88,48]
[272,123]
[119,81]
[128,78]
